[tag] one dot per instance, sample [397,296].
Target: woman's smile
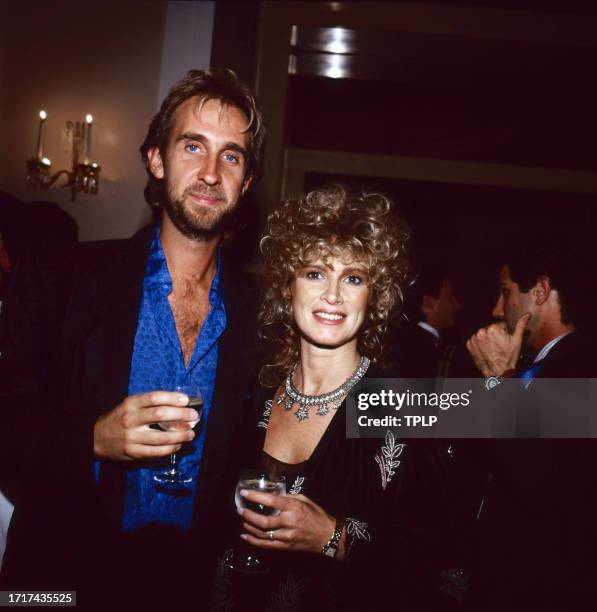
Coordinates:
[329,300]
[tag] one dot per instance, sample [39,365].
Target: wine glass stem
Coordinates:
[173,461]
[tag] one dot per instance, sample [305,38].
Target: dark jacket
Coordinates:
[537,529]
[68,335]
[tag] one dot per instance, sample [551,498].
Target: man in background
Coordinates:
[102,336]
[539,308]
[536,527]
[448,489]
[423,347]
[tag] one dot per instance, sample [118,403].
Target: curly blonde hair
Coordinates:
[325,223]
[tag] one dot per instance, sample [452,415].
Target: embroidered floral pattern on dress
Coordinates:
[388,459]
[289,595]
[266,414]
[355,530]
[297,485]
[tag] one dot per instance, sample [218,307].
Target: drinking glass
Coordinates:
[173,477]
[243,558]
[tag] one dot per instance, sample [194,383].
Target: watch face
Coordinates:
[330,552]
[492,382]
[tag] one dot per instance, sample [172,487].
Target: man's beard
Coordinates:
[200,223]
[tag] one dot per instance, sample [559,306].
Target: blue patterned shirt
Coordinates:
[158,363]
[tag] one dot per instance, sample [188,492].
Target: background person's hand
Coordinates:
[124,433]
[494,349]
[302,525]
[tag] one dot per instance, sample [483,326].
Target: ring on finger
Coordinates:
[270,535]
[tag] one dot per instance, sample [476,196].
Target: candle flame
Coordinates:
[42,114]
[89,118]
[46,161]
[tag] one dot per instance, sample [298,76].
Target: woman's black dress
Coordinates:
[359,479]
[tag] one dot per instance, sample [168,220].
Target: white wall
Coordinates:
[110,59]
[187,41]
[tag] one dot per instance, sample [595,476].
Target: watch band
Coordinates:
[330,549]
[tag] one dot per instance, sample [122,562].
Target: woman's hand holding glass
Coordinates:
[301,524]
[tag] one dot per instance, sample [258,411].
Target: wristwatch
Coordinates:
[330,549]
[491,382]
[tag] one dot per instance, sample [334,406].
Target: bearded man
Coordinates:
[101,338]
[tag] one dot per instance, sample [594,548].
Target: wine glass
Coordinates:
[243,558]
[173,477]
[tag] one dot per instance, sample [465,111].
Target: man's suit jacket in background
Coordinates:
[413,352]
[537,528]
[67,343]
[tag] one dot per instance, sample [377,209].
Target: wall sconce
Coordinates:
[84,175]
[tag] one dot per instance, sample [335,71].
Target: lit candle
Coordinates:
[40,134]
[89,120]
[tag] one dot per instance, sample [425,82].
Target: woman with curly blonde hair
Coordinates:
[335,267]
[327,224]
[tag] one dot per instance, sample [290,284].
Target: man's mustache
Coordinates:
[210,192]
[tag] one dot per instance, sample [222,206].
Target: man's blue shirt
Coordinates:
[158,363]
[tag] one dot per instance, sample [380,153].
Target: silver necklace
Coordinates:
[291,395]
